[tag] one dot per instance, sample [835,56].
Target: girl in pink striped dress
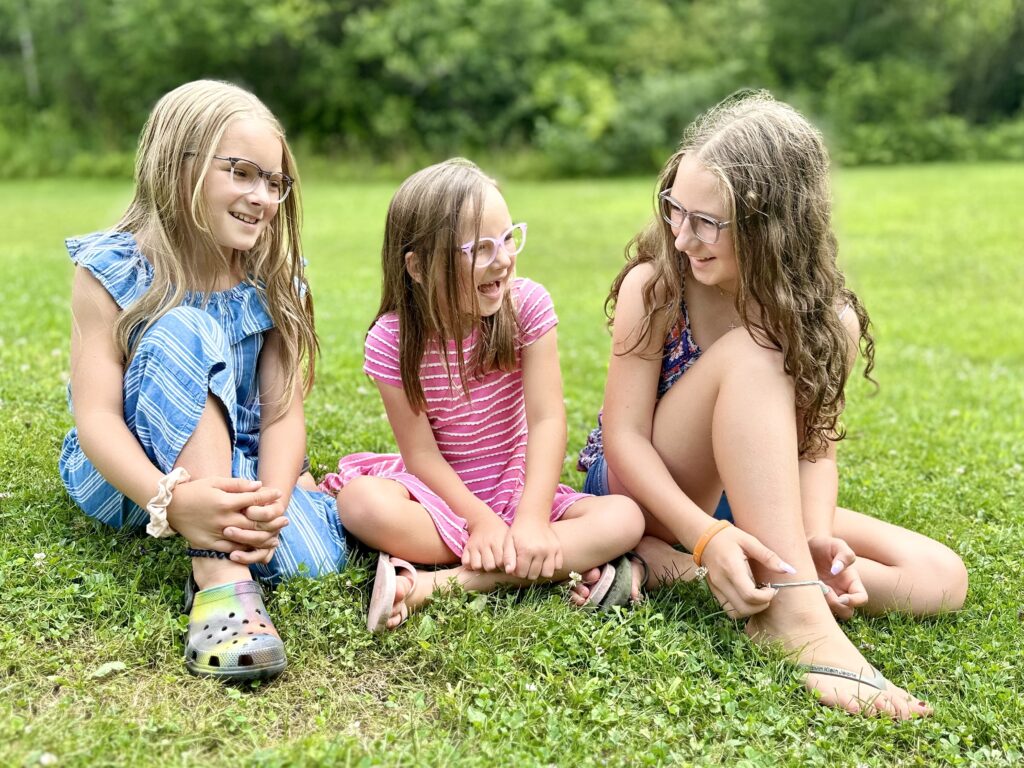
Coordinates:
[465,357]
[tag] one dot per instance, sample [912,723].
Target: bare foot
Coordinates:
[809,637]
[411,594]
[665,564]
[580,592]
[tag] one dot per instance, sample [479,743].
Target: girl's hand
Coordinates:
[262,537]
[833,560]
[532,550]
[201,510]
[485,550]
[729,575]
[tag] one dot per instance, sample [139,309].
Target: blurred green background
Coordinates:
[529,88]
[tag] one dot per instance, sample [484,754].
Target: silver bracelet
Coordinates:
[825,589]
[157,506]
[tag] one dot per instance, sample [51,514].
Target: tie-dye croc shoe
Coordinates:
[228,633]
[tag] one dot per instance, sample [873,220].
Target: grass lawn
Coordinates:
[90,632]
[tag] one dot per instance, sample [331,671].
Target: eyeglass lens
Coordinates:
[704,228]
[485,250]
[247,175]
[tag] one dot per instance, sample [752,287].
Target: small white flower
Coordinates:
[47,758]
[530,687]
[40,555]
[574,578]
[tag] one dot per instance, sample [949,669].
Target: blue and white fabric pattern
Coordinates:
[207,346]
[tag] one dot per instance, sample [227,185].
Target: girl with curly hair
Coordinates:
[734,283]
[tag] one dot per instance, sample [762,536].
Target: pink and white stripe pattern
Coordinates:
[482,437]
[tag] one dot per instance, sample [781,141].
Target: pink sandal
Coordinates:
[382,598]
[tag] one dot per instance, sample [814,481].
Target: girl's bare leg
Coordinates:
[208,454]
[381,514]
[738,406]
[902,570]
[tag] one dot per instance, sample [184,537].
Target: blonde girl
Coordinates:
[734,335]
[465,356]
[192,346]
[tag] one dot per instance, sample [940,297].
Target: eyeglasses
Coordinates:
[705,228]
[246,175]
[485,250]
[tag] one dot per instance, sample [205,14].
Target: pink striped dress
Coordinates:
[482,437]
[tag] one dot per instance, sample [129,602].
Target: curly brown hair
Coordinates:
[774,173]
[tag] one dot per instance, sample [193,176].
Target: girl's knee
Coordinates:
[621,516]
[360,501]
[743,357]
[937,577]
[950,575]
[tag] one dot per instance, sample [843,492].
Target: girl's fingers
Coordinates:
[844,557]
[839,607]
[488,560]
[265,513]
[509,554]
[548,569]
[235,484]
[755,550]
[252,556]
[256,539]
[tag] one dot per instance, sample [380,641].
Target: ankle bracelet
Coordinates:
[810,582]
[206,553]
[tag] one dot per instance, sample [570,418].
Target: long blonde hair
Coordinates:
[774,173]
[424,218]
[169,217]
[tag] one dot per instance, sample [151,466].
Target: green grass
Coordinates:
[521,679]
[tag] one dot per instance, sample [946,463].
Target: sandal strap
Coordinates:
[877,680]
[647,569]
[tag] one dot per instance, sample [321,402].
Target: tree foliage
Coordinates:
[583,87]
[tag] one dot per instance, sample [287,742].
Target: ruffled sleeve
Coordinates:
[114,259]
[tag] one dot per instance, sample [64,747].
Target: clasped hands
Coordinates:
[527,549]
[229,514]
[727,558]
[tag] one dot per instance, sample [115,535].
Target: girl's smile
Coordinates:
[491,282]
[699,190]
[238,219]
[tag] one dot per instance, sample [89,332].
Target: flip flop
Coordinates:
[382,599]
[876,681]
[621,587]
[600,588]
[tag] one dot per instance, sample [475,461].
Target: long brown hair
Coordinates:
[169,218]
[424,219]
[774,173]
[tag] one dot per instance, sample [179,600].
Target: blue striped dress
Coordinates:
[197,349]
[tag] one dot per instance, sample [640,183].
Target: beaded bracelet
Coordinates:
[157,506]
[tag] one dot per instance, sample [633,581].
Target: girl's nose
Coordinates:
[503,259]
[260,194]
[684,235]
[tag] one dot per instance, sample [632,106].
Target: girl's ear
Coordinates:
[412,266]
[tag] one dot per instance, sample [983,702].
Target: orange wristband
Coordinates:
[713,530]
